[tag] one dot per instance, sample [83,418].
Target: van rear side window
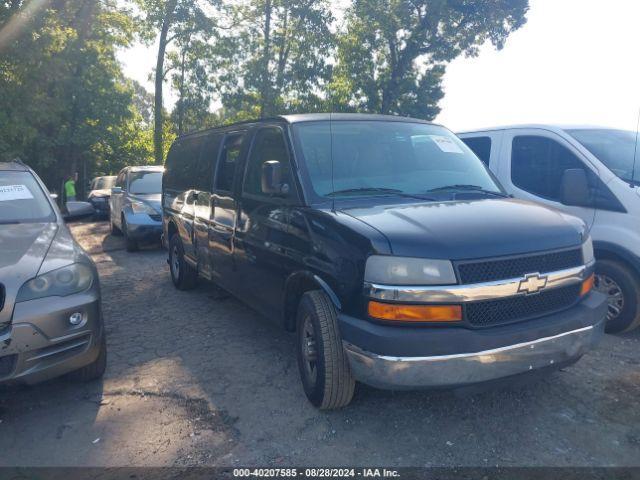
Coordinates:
[481,146]
[228,162]
[182,164]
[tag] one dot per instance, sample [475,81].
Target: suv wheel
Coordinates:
[324,366]
[184,277]
[131,244]
[620,285]
[94,370]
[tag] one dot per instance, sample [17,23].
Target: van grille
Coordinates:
[514,267]
[515,309]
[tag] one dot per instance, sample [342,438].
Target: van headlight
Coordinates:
[587,251]
[141,207]
[74,278]
[408,271]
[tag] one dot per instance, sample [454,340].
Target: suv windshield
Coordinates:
[22,200]
[614,148]
[103,183]
[387,158]
[145,182]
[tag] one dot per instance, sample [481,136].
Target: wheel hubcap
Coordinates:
[175,262]
[309,351]
[612,290]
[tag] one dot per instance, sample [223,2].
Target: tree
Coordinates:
[280,51]
[172,19]
[393,54]
[64,98]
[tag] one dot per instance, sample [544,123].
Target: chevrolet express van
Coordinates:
[386,245]
[536,162]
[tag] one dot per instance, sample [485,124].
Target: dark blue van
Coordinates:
[386,245]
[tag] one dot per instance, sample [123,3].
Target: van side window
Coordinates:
[182,164]
[538,164]
[269,144]
[228,161]
[207,163]
[481,146]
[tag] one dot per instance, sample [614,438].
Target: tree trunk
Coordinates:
[264,105]
[181,99]
[158,141]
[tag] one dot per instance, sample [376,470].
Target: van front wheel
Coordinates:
[324,366]
[620,285]
[183,276]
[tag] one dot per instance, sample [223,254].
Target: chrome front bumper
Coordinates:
[470,368]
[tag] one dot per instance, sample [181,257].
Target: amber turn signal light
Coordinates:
[587,285]
[415,313]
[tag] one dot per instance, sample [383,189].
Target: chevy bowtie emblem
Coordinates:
[532,283]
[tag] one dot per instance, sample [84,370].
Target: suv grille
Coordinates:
[506,268]
[514,309]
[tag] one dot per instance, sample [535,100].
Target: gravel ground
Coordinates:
[197,378]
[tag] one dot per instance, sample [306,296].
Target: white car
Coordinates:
[589,172]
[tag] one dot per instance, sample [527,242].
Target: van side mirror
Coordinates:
[575,188]
[272,178]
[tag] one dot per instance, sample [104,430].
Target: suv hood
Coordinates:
[153,199]
[105,192]
[463,230]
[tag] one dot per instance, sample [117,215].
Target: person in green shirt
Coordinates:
[70,187]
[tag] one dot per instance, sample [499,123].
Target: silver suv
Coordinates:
[50,314]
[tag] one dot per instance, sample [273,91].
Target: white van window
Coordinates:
[538,164]
[614,148]
[481,146]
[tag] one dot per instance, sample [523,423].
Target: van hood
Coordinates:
[461,230]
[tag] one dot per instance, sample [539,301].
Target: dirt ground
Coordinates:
[197,378]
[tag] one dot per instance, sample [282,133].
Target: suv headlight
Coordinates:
[74,278]
[141,207]
[408,271]
[587,251]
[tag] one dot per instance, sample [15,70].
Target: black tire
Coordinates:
[333,385]
[621,286]
[131,244]
[94,370]
[115,231]
[183,276]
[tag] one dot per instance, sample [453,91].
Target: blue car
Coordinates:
[135,209]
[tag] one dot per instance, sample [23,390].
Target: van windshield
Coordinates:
[614,148]
[22,200]
[386,158]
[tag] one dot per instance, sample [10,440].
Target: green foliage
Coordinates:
[393,54]
[64,103]
[280,52]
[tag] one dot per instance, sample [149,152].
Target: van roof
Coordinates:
[544,126]
[316,117]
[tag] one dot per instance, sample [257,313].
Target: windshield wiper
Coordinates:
[365,190]
[384,191]
[470,188]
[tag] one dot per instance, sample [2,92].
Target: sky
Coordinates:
[574,62]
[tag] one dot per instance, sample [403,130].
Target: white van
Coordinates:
[588,172]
